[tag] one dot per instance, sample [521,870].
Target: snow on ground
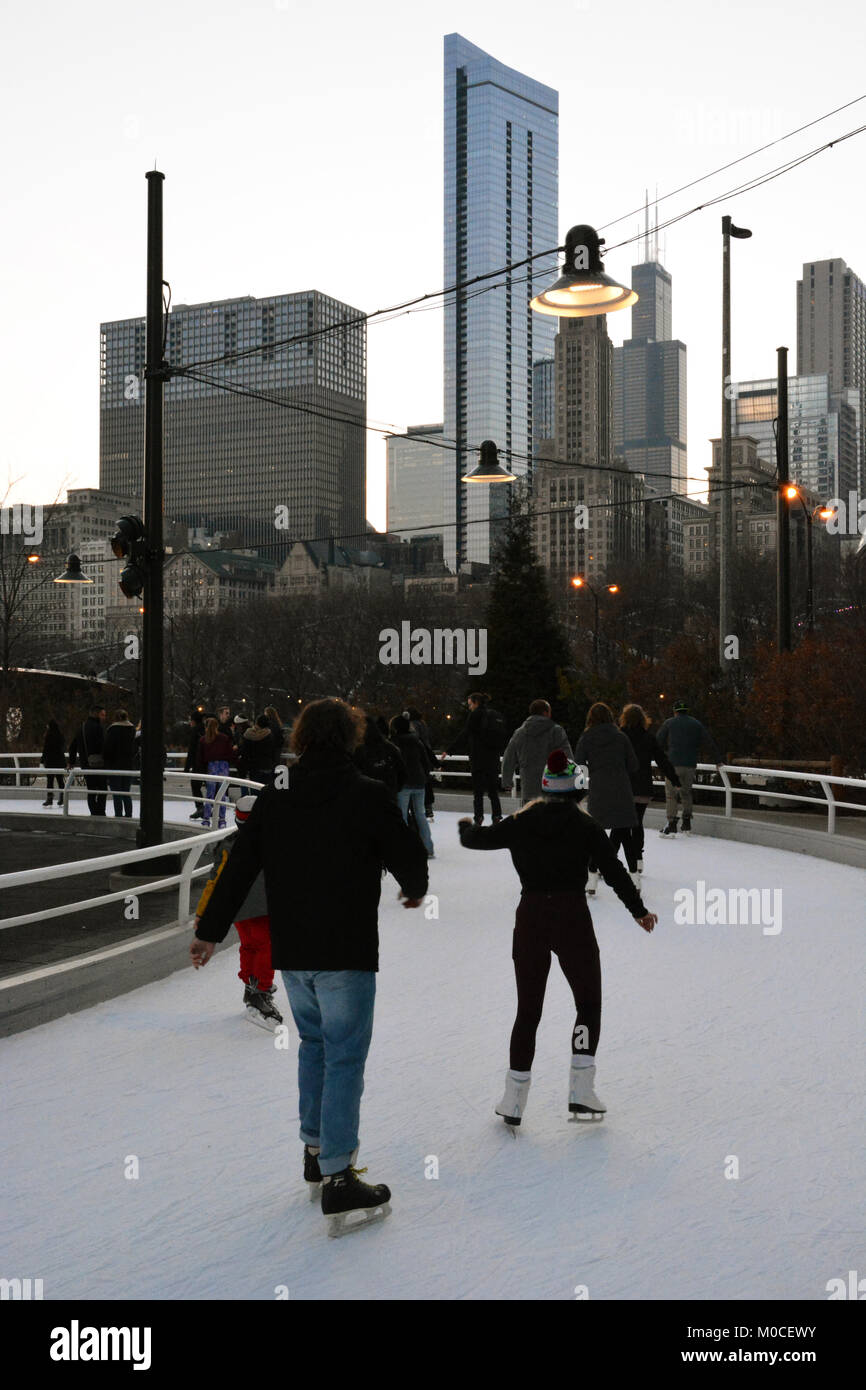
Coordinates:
[718,1043]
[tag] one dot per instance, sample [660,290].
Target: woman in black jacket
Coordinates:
[120,751]
[635,723]
[418,765]
[53,755]
[379,758]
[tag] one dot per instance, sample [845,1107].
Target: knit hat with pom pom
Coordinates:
[562,775]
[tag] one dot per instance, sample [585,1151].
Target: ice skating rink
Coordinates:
[725,1049]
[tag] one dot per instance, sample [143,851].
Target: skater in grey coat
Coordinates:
[529,748]
[611,760]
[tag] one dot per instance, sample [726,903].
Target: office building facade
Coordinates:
[822,430]
[416,481]
[234,463]
[501,206]
[831,337]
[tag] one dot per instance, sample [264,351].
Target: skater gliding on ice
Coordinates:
[551,842]
[681,737]
[321,842]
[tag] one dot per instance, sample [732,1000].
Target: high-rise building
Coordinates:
[831,336]
[649,375]
[232,461]
[501,193]
[587,505]
[543,401]
[822,430]
[416,481]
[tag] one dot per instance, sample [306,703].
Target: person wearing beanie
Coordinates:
[254,929]
[552,841]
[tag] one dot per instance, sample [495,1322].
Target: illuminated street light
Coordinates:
[72,574]
[489,469]
[583,289]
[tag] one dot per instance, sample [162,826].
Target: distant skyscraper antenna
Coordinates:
[646,225]
[656,230]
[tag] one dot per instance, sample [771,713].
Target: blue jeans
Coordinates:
[333,1011]
[416,796]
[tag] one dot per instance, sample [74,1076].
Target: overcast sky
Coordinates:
[302,149]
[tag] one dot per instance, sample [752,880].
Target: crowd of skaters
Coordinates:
[357,805]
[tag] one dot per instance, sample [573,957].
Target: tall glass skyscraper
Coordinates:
[501,205]
[649,384]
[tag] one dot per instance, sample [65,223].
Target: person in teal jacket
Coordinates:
[682,738]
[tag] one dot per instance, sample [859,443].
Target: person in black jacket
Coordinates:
[484,757]
[196,786]
[419,724]
[418,766]
[53,755]
[120,751]
[379,758]
[257,752]
[321,842]
[635,723]
[552,842]
[87,749]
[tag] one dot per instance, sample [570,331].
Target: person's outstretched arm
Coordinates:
[612,871]
[400,849]
[499,836]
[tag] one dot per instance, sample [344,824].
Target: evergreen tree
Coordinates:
[526,647]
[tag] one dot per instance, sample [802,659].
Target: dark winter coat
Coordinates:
[196,733]
[54,749]
[321,841]
[218,750]
[552,843]
[647,752]
[528,750]
[379,758]
[415,758]
[120,749]
[89,740]
[682,737]
[482,758]
[611,760]
[257,752]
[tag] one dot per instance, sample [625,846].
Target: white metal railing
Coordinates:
[828,801]
[726,788]
[190,846]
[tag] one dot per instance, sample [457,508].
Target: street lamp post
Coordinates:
[580,583]
[726,511]
[792,493]
[152,734]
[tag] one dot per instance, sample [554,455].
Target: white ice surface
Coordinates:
[717,1041]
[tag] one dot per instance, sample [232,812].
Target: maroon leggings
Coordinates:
[557,922]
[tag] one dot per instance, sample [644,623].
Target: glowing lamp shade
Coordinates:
[488,469]
[583,289]
[577,582]
[825,513]
[73,573]
[792,493]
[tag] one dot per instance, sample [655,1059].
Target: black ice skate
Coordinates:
[670,828]
[312,1172]
[687,825]
[349,1203]
[260,1006]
